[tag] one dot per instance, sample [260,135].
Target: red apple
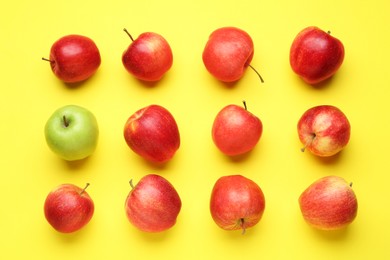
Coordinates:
[316,55]
[153,204]
[152,133]
[148,57]
[324,130]
[236,130]
[236,203]
[329,203]
[68,208]
[228,53]
[74,58]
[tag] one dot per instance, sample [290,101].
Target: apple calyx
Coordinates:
[83,190]
[127,32]
[309,142]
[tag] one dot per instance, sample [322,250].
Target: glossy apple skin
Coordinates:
[228,53]
[329,203]
[236,131]
[68,208]
[324,130]
[75,140]
[148,57]
[236,202]
[153,205]
[316,55]
[74,58]
[152,133]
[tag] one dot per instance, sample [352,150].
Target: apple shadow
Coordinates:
[239,158]
[323,84]
[150,237]
[330,160]
[332,235]
[77,164]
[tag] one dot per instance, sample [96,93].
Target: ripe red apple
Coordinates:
[152,133]
[236,130]
[153,204]
[324,130]
[74,58]
[68,208]
[228,53]
[236,203]
[329,203]
[148,57]
[315,55]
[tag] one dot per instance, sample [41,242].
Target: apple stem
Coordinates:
[350,184]
[66,122]
[131,183]
[127,32]
[45,59]
[244,102]
[307,143]
[242,226]
[258,74]
[86,186]
[328,32]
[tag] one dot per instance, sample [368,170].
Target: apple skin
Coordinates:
[152,133]
[329,203]
[148,57]
[228,53]
[153,205]
[74,58]
[235,130]
[75,138]
[315,55]
[236,203]
[324,130]
[68,208]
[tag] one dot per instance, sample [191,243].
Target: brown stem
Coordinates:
[131,183]
[127,32]
[242,226]
[45,59]
[258,74]
[244,102]
[66,122]
[308,142]
[86,186]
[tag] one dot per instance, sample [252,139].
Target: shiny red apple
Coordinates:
[315,55]
[324,130]
[148,57]
[68,208]
[235,130]
[74,58]
[152,133]
[236,203]
[228,53]
[329,203]
[153,205]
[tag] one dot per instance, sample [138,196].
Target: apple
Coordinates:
[324,130]
[329,203]
[228,53]
[74,58]
[148,57]
[236,203]
[235,130]
[72,132]
[152,133]
[68,208]
[315,55]
[153,204]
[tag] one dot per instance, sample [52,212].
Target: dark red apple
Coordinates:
[324,130]
[152,133]
[74,58]
[315,55]
[329,203]
[236,130]
[236,203]
[153,204]
[228,53]
[148,57]
[68,208]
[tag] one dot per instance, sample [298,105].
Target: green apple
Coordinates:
[72,132]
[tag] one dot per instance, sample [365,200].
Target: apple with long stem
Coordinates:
[315,55]
[148,57]
[329,203]
[68,208]
[235,130]
[236,203]
[228,53]
[74,58]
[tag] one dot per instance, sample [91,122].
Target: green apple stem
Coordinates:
[242,226]
[131,184]
[127,32]
[66,122]
[258,74]
[86,186]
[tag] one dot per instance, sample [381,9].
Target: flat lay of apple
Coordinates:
[194,130]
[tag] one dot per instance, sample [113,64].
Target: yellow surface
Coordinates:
[30,93]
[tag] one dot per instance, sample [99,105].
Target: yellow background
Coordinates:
[30,93]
